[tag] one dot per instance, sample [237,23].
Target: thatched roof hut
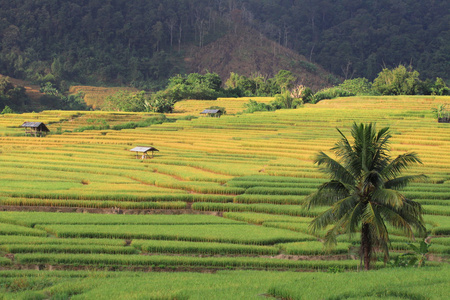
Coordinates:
[212,112]
[144,150]
[35,128]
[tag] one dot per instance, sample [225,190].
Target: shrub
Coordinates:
[441,112]
[7,110]
[331,93]
[357,86]
[285,100]
[253,106]
[399,81]
[440,88]
[145,123]
[126,101]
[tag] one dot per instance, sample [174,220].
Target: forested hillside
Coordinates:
[357,38]
[142,43]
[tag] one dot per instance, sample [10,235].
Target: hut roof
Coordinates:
[39,125]
[143,149]
[211,111]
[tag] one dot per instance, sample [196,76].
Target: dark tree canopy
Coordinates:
[141,42]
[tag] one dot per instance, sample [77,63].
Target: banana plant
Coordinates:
[418,255]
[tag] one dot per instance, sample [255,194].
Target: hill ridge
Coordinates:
[247,51]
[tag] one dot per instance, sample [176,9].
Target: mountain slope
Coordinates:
[141,42]
[247,52]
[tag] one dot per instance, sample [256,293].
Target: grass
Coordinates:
[424,283]
[239,234]
[95,96]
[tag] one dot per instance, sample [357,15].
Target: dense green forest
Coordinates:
[142,42]
[356,38]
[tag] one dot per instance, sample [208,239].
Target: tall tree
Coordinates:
[363,191]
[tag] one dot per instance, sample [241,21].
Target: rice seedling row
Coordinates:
[239,234]
[49,248]
[291,210]
[181,261]
[259,219]
[10,229]
[268,199]
[92,204]
[40,240]
[313,248]
[33,218]
[158,246]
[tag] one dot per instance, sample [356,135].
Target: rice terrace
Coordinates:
[217,212]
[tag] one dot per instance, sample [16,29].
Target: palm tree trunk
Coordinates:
[366,245]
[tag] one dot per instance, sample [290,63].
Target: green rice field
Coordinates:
[215,214]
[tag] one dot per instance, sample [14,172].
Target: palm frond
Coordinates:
[347,153]
[396,220]
[368,215]
[401,182]
[334,169]
[321,221]
[343,146]
[371,180]
[379,225]
[389,198]
[330,236]
[399,164]
[355,218]
[380,142]
[344,206]
[412,213]
[327,194]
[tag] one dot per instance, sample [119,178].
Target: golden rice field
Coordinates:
[232,105]
[249,174]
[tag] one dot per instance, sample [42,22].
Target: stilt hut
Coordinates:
[144,151]
[212,113]
[35,128]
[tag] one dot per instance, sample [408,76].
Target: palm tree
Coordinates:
[362,191]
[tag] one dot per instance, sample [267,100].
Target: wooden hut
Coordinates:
[35,128]
[144,151]
[212,113]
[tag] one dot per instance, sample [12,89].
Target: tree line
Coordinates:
[402,80]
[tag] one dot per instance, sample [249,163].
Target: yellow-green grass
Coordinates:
[259,219]
[32,202]
[11,229]
[41,240]
[95,96]
[179,247]
[69,248]
[232,105]
[182,261]
[235,233]
[33,218]
[313,248]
